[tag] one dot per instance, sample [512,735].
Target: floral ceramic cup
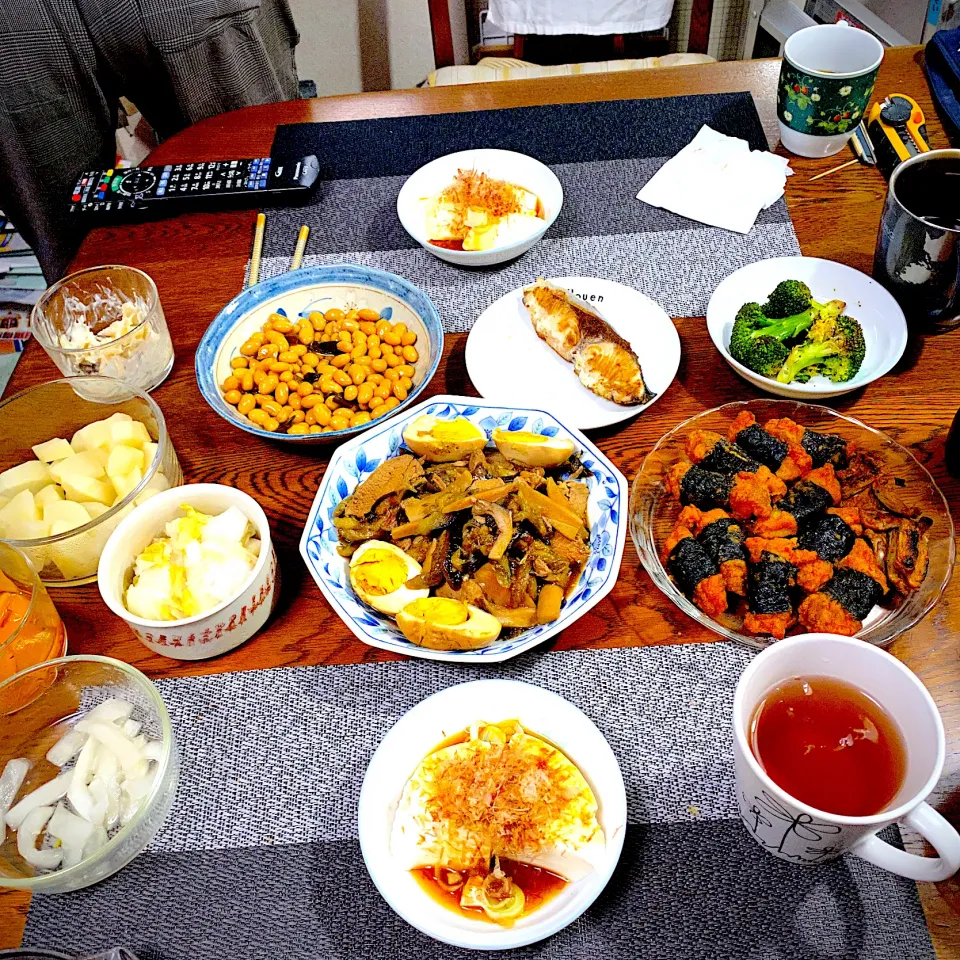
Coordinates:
[826,82]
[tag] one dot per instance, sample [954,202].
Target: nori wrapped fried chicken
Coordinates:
[842,603]
[823,448]
[769,605]
[789,461]
[746,494]
[711,452]
[691,567]
[722,537]
[805,499]
[831,538]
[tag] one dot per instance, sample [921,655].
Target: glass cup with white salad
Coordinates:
[106,321]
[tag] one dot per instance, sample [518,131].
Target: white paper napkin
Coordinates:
[718,180]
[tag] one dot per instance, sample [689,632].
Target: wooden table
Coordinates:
[198,262]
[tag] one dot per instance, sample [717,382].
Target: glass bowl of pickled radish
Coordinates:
[76,456]
[88,772]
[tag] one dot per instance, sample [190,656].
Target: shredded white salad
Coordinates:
[108,768]
[202,562]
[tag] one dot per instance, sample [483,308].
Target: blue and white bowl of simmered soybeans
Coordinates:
[585,483]
[318,354]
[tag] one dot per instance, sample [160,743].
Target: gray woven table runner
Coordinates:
[260,859]
[602,153]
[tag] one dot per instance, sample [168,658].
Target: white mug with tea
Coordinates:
[835,739]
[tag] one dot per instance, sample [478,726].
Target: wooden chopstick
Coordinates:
[301,246]
[257,249]
[826,173]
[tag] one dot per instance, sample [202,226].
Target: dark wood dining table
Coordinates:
[197,261]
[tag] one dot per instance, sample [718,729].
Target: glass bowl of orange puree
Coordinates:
[31,630]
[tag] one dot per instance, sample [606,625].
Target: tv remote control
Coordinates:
[183,186]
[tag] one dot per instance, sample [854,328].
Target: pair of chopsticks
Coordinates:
[258,249]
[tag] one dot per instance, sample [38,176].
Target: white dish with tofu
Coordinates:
[476,208]
[71,469]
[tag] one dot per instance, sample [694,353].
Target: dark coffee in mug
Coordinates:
[918,248]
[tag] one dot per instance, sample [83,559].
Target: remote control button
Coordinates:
[75,198]
[137,181]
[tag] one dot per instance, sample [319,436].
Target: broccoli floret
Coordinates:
[751,324]
[835,344]
[792,297]
[788,297]
[763,355]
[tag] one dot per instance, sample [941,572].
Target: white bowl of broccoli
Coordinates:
[803,327]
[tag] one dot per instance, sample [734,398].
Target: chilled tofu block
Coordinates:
[32,475]
[86,464]
[82,489]
[67,512]
[123,460]
[125,482]
[56,449]
[132,433]
[49,494]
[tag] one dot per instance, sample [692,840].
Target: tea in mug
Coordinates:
[829,745]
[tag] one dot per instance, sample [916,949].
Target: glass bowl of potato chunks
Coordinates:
[76,456]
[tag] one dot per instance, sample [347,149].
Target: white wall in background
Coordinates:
[351,45]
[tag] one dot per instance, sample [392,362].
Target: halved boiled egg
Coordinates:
[443,441]
[533,449]
[441,623]
[379,572]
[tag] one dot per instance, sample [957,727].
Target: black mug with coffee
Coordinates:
[918,249]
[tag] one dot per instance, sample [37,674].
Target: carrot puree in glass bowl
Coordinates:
[31,631]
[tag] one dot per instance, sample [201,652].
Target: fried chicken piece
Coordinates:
[774,624]
[786,430]
[750,496]
[820,613]
[778,524]
[825,477]
[850,514]
[710,595]
[813,575]
[861,557]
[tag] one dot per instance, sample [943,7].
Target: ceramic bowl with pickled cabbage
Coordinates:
[182,562]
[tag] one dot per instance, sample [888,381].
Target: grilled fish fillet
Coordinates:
[602,359]
[554,317]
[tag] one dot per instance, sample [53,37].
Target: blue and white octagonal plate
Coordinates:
[356,459]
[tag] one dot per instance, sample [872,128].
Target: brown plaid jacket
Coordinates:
[65,63]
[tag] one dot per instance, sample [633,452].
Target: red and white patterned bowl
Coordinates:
[212,633]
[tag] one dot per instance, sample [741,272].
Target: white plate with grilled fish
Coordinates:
[448,850]
[594,351]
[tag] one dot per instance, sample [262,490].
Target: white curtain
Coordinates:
[593,17]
